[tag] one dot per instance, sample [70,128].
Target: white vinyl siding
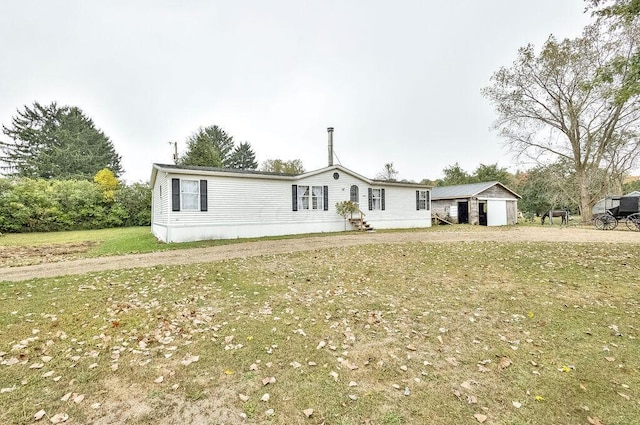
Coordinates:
[245,205]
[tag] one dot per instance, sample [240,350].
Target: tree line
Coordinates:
[572,107]
[43,205]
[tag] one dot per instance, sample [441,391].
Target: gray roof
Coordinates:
[465,190]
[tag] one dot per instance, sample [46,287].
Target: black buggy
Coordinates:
[628,211]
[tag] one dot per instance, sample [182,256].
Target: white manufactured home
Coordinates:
[198,203]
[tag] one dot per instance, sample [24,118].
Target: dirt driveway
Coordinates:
[249,249]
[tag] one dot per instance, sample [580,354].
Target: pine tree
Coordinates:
[208,147]
[243,157]
[56,142]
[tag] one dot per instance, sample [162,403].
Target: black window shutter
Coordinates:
[417,199]
[382,199]
[175,194]
[325,193]
[428,201]
[370,199]
[203,195]
[294,197]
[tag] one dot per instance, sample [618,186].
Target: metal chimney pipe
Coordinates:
[330,131]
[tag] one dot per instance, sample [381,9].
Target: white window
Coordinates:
[303,197]
[423,200]
[376,199]
[310,197]
[316,198]
[190,195]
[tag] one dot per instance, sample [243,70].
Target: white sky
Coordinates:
[400,81]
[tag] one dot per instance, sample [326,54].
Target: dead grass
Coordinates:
[407,333]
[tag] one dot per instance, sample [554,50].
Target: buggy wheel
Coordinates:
[633,222]
[605,222]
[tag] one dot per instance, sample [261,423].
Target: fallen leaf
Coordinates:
[78,399]
[504,363]
[59,418]
[625,396]
[516,404]
[594,421]
[270,412]
[308,412]
[353,397]
[243,397]
[610,359]
[190,359]
[539,398]
[265,397]
[39,415]
[228,372]
[66,397]
[480,417]
[269,380]
[159,380]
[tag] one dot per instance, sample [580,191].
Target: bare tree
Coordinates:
[561,104]
[389,173]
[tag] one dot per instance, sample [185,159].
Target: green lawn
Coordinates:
[392,334]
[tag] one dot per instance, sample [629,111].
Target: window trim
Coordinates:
[184,194]
[422,196]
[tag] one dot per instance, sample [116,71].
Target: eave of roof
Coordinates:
[222,172]
[466,190]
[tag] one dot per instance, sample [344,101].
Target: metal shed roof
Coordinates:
[465,190]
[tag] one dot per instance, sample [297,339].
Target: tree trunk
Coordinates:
[585,198]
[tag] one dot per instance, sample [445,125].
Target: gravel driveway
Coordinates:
[249,249]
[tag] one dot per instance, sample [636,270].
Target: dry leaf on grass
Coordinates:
[594,421]
[190,359]
[59,418]
[39,415]
[308,412]
[269,380]
[480,417]
[504,362]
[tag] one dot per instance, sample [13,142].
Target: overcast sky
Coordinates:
[400,81]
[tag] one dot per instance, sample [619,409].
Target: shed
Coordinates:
[486,204]
[198,203]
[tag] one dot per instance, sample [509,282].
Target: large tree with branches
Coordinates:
[562,104]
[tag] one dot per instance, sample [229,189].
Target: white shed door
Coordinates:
[496,213]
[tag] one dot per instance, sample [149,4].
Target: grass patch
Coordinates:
[392,334]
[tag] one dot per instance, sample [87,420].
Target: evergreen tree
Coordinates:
[208,147]
[56,142]
[243,157]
